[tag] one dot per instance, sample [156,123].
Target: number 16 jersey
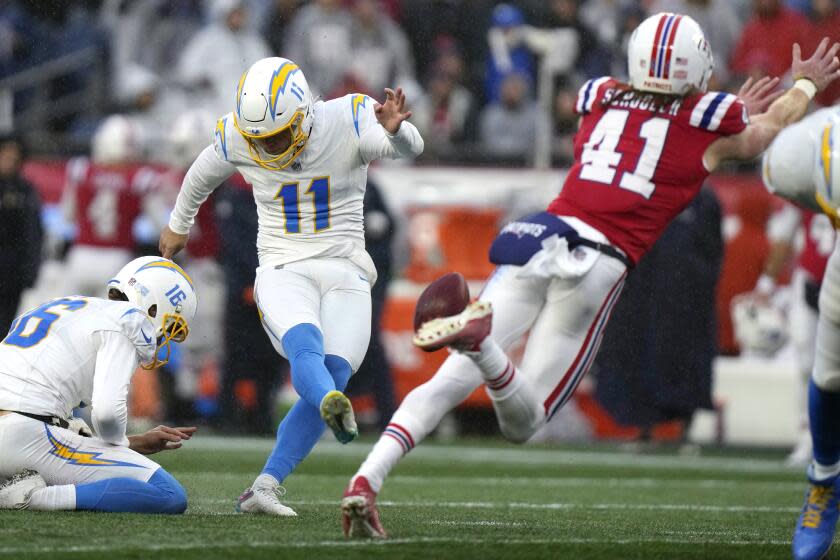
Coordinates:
[638,165]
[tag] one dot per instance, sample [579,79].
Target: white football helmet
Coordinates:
[165,293]
[759,326]
[117,140]
[827,174]
[191,132]
[272,97]
[668,53]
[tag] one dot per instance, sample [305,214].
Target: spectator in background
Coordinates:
[593,60]
[381,53]
[447,115]
[217,56]
[720,23]
[20,230]
[507,128]
[507,53]
[606,19]
[565,127]
[825,22]
[21,42]
[318,40]
[766,41]
[280,16]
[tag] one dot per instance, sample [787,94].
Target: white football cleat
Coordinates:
[16,492]
[463,332]
[264,497]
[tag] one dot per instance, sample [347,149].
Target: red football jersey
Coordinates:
[638,166]
[819,242]
[108,201]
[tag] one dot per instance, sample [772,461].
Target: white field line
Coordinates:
[122,547]
[478,523]
[547,482]
[545,506]
[521,455]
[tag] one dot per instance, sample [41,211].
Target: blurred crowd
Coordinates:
[473,70]
[482,79]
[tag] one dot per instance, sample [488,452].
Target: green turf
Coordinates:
[481,500]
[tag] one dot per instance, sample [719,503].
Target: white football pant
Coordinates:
[63,456]
[566,320]
[331,293]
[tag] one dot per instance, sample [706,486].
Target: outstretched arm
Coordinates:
[205,174]
[395,137]
[811,75]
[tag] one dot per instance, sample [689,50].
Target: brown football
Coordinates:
[448,295]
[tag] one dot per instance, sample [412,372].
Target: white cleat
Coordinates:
[264,497]
[463,332]
[16,492]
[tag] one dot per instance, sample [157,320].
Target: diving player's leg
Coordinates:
[561,345]
[83,473]
[817,523]
[424,407]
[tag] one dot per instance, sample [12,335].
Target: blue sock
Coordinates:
[162,494]
[302,427]
[304,346]
[339,369]
[298,433]
[824,415]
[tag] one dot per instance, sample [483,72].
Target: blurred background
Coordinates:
[104,104]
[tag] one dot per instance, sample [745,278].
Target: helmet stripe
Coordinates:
[825,159]
[171,266]
[653,51]
[670,46]
[277,84]
[660,56]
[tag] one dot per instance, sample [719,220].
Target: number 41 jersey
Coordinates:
[638,165]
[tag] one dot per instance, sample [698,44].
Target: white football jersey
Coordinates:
[789,164]
[312,208]
[74,351]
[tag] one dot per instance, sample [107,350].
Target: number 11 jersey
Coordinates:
[639,164]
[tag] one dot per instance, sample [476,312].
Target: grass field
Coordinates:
[477,500]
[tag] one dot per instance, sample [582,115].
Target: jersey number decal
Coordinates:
[319,190]
[31,328]
[103,213]
[600,157]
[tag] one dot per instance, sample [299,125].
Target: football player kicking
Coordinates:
[642,152]
[82,351]
[307,162]
[801,166]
